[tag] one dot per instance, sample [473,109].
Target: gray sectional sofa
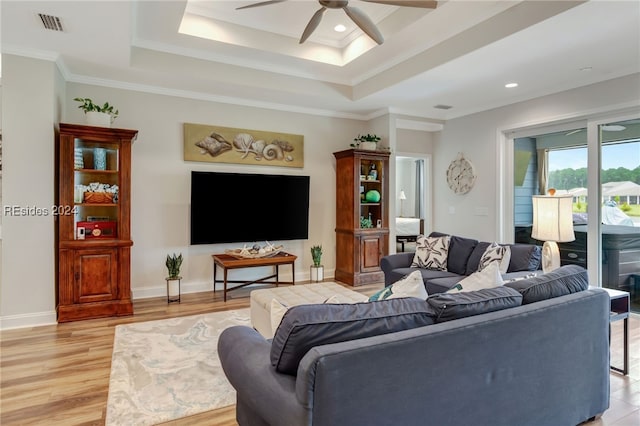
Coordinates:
[462,260]
[538,356]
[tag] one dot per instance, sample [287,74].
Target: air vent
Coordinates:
[51,22]
[440,106]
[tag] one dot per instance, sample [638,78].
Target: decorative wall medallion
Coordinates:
[460,175]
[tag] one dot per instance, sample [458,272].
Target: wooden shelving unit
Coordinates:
[93,273]
[358,249]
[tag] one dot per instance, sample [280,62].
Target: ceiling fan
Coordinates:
[356,15]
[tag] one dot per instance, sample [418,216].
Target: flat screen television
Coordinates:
[244,208]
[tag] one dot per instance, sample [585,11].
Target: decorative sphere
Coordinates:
[372,196]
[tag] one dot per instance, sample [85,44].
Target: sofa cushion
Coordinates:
[489,277]
[450,306]
[495,253]
[431,252]
[564,280]
[524,257]
[278,309]
[306,326]
[460,249]
[474,257]
[442,284]
[410,285]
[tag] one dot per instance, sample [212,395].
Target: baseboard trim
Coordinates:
[35,319]
[50,318]
[161,290]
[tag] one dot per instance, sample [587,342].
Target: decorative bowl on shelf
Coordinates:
[255,252]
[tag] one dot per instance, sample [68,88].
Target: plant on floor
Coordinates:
[316,255]
[173,265]
[87,105]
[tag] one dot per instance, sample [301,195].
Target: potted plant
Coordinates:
[317,270]
[368,142]
[97,115]
[173,280]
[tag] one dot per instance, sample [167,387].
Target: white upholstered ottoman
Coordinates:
[300,294]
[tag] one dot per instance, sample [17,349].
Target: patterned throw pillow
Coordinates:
[431,253]
[496,253]
[411,285]
[524,277]
[489,277]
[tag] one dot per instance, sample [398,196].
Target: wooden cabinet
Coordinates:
[92,212]
[362,215]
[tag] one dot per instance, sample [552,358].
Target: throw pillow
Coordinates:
[307,326]
[410,285]
[489,277]
[431,253]
[496,253]
[453,306]
[278,309]
[524,277]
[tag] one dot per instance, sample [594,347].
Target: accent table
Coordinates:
[227,262]
[620,311]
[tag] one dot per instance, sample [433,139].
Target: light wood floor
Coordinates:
[59,374]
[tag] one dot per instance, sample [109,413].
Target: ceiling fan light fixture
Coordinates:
[356,15]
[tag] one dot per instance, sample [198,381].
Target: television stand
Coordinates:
[227,262]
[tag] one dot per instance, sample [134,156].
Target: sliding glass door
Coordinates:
[598,163]
[619,143]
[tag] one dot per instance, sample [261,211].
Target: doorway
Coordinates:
[413,199]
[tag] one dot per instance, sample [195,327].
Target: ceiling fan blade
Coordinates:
[262,3]
[364,23]
[426,4]
[313,24]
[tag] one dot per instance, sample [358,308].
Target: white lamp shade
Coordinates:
[553,218]
[402,195]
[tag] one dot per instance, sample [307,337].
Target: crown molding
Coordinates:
[136,87]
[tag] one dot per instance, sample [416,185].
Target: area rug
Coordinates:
[167,369]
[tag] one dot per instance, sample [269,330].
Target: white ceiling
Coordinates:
[460,54]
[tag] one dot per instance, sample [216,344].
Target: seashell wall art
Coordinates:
[217,144]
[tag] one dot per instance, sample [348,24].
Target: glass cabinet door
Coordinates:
[96,189]
[371,202]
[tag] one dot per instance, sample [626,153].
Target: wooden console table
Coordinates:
[227,262]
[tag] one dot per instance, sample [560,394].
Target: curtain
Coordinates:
[543,171]
[419,204]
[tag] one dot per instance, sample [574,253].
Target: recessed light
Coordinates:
[511,85]
[340,28]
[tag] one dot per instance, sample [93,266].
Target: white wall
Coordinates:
[30,110]
[161,180]
[477,135]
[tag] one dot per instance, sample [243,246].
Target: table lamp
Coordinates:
[552,223]
[402,198]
